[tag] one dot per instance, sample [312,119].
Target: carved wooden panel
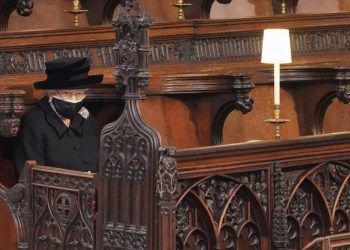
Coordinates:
[225,212]
[63,208]
[233,211]
[318,203]
[129,148]
[297,188]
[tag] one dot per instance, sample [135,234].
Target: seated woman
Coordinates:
[58,131]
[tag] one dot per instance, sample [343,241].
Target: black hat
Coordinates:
[69,73]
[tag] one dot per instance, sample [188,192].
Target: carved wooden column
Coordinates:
[279,217]
[167,182]
[128,213]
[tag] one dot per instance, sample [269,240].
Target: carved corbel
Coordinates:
[167,192]
[343,87]
[25,7]
[241,88]
[11,109]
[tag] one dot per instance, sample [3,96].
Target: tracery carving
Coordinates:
[127,154]
[257,182]
[234,214]
[251,235]
[341,222]
[344,201]
[318,203]
[329,180]
[190,227]
[167,178]
[182,219]
[216,194]
[124,236]
[220,207]
[300,204]
[312,226]
[63,210]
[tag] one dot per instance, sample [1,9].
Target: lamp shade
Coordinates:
[276,46]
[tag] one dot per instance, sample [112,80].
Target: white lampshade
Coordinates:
[276,46]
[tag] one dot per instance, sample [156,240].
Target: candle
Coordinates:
[276,87]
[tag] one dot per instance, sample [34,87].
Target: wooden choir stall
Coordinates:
[186,158]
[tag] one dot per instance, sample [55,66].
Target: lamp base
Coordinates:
[277,121]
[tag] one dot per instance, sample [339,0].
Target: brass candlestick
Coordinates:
[283,7]
[76,11]
[277,121]
[181,5]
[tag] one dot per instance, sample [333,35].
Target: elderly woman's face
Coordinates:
[71,95]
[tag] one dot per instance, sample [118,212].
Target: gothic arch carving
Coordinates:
[223,200]
[330,183]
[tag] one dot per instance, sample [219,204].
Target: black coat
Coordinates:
[44,137]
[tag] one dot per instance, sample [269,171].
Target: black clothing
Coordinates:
[69,73]
[45,138]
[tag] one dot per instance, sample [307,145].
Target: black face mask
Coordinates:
[66,109]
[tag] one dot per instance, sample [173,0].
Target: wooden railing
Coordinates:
[332,242]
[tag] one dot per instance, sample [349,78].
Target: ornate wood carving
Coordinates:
[220,212]
[241,85]
[318,204]
[208,48]
[309,194]
[129,148]
[63,209]
[11,109]
[52,208]
[167,192]
[343,88]
[279,216]
[25,7]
